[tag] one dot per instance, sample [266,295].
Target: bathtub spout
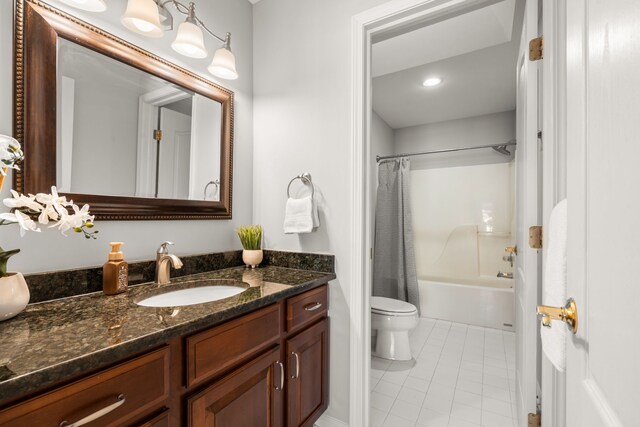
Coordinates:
[505,275]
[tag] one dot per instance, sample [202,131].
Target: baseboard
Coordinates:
[327,421]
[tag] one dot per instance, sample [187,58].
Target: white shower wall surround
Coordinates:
[463,221]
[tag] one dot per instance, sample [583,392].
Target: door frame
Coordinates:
[554,183]
[375,22]
[148,104]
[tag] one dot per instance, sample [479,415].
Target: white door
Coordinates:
[603,195]
[527,260]
[175,155]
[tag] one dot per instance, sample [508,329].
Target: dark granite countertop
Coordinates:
[54,341]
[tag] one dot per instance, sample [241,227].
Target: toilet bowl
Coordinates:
[392,320]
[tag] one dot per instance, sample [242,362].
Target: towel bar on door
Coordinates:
[306,179]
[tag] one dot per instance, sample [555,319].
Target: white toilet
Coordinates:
[392,319]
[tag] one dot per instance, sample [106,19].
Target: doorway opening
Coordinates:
[445,100]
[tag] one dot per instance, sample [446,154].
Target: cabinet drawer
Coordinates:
[160,420]
[143,383]
[305,308]
[214,351]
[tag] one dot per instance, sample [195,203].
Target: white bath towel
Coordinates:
[554,291]
[301,215]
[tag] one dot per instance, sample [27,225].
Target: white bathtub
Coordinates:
[482,301]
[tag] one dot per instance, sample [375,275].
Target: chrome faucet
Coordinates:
[163,258]
[505,275]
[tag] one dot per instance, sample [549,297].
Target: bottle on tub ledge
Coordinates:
[115,272]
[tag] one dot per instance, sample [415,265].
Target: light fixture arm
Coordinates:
[189,12]
[226,40]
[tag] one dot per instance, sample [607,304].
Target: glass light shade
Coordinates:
[189,41]
[143,17]
[224,64]
[89,5]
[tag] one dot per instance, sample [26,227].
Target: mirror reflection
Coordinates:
[124,132]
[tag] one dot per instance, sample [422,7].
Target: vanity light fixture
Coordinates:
[151,18]
[88,5]
[432,81]
[142,17]
[190,40]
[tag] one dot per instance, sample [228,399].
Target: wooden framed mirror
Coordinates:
[88,108]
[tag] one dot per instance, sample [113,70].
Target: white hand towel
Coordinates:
[316,217]
[300,216]
[554,292]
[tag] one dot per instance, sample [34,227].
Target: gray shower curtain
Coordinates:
[394,265]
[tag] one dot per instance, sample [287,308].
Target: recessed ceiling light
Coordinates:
[432,81]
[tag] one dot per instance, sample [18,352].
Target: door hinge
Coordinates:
[535,237]
[157,135]
[540,139]
[536,49]
[534,420]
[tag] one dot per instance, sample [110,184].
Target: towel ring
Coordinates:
[306,179]
[216,183]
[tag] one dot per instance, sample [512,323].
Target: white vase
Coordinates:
[252,257]
[14,295]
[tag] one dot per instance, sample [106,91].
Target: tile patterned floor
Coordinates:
[463,376]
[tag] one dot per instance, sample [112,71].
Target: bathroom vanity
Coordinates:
[259,358]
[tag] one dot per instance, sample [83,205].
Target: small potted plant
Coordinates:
[251,239]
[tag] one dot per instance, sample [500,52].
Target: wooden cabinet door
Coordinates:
[251,396]
[308,375]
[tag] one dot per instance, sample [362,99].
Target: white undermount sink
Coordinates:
[194,295]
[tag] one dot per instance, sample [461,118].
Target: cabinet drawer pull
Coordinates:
[313,306]
[99,413]
[279,388]
[294,376]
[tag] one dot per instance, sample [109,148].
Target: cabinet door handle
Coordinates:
[279,388]
[99,413]
[294,376]
[313,306]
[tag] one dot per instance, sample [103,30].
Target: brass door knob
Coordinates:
[511,250]
[568,314]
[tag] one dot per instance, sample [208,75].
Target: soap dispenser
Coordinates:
[115,272]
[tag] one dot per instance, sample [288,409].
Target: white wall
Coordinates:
[489,129]
[205,157]
[49,250]
[302,63]
[114,146]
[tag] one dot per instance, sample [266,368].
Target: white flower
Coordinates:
[52,207]
[25,223]
[76,220]
[48,213]
[81,216]
[62,224]
[10,153]
[22,201]
[54,201]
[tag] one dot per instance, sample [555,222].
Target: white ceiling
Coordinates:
[462,34]
[475,55]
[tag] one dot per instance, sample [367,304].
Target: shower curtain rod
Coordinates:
[448,150]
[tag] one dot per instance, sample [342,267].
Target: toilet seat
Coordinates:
[392,307]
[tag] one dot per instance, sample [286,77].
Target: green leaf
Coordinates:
[4,257]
